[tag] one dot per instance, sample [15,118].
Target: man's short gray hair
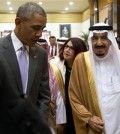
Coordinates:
[27,10]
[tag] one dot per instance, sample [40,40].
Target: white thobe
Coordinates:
[108,88]
[60,106]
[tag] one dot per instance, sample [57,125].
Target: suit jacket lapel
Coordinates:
[10,55]
[32,67]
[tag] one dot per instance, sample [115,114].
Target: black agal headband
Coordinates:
[61,40]
[101,28]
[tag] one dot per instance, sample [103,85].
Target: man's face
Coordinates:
[100,44]
[52,41]
[31,30]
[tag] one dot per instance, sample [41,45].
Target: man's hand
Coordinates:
[96,124]
[60,128]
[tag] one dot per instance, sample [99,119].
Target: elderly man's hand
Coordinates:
[96,124]
[60,128]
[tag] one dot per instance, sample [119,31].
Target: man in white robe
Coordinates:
[105,68]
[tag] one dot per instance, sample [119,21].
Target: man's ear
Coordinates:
[110,42]
[18,22]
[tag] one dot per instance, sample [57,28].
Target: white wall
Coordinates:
[6,26]
[76,28]
[85,26]
[55,28]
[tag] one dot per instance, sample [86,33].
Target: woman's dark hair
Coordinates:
[78,46]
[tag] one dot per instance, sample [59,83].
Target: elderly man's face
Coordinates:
[100,44]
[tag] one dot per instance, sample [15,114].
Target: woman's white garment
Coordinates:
[60,106]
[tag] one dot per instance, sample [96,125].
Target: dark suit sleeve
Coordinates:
[44,90]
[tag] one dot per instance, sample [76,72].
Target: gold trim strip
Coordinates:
[59,80]
[92,84]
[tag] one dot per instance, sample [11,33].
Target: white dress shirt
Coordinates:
[17,44]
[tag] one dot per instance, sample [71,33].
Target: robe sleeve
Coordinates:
[78,94]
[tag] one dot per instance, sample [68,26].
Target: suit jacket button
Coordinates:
[24,96]
[28,124]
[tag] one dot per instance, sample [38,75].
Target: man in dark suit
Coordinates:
[24,110]
[53,50]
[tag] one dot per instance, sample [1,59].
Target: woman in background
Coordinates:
[64,62]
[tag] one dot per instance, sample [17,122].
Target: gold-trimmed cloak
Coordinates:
[82,94]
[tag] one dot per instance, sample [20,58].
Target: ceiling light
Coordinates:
[8,3]
[71,3]
[10,8]
[66,8]
[40,3]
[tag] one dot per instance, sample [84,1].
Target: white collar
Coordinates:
[17,44]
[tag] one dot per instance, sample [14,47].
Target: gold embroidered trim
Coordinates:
[92,84]
[59,80]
